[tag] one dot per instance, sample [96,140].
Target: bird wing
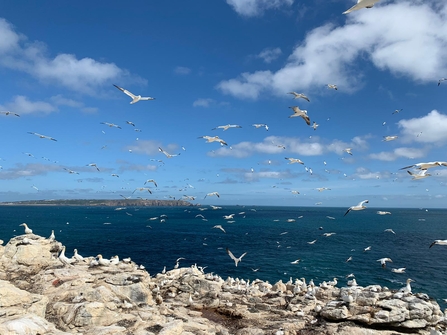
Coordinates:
[407,167]
[125,91]
[362,202]
[432,244]
[242,255]
[231,255]
[349,209]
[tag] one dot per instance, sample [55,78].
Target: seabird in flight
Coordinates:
[42,136]
[299,95]
[361,4]
[135,98]
[301,113]
[236,260]
[358,207]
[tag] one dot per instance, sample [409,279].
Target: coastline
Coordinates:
[40,291]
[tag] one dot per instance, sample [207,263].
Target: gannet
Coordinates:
[103,261]
[93,164]
[441,80]
[212,193]
[329,234]
[296,261]
[348,150]
[142,189]
[349,259]
[226,127]
[115,175]
[260,125]
[299,95]
[168,155]
[111,125]
[27,230]
[352,282]
[301,113]
[9,113]
[52,237]
[236,260]
[397,111]
[215,207]
[420,175]
[332,86]
[312,242]
[389,138]
[358,207]
[424,166]
[389,230]
[130,123]
[367,249]
[219,227]
[71,171]
[384,260]
[399,270]
[229,217]
[210,139]
[114,260]
[440,242]
[135,98]
[321,189]
[295,192]
[294,160]
[77,257]
[383,213]
[361,4]
[407,288]
[42,136]
[64,259]
[151,181]
[315,125]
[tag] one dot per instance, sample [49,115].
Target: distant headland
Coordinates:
[99,202]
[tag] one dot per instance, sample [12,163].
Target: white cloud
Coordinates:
[149,147]
[430,128]
[203,102]
[22,105]
[384,36]
[182,70]
[28,170]
[83,75]
[398,153]
[364,173]
[256,7]
[269,55]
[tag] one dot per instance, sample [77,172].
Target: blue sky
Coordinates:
[212,63]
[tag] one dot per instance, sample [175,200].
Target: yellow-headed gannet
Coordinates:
[210,139]
[361,4]
[294,160]
[236,260]
[135,98]
[52,237]
[76,256]
[358,207]
[299,95]
[301,113]
[27,229]
[407,288]
[384,260]
[440,242]
[42,136]
[227,126]
[102,261]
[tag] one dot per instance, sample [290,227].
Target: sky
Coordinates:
[214,63]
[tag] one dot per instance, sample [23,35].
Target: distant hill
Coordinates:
[99,202]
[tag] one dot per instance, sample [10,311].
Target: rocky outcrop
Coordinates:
[41,295]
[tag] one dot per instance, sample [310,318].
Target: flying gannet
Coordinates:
[441,80]
[219,227]
[321,189]
[142,189]
[315,125]
[168,155]
[299,95]
[151,181]
[399,270]
[358,207]
[9,113]
[389,230]
[42,136]
[135,98]
[424,166]
[296,261]
[27,229]
[361,4]
[440,242]
[228,126]
[112,125]
[383,213]
[332,86]
[328,234]
[312,242]
[260,125]
[367,249]
[93,164]
[210,139]
[348,150]
[397,111]
[211,194]
[294,160]
[236,260]
[130,123]
[71,171]
[301,113]
[420,175]
[383,261]
[389,138]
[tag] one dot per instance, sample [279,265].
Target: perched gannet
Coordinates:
[260,125]
[27,229]
[399,270]
[389,230]
[102,261]
[111,125]
[168,155]
[407,288]
[219,227]
[358,207]
[211,194]
[440,242]
[384,260]
[361,4]
[42,136]
[236,260]
[301,113]
[424,166]
[294,160]
[9,113]
[383,213]
[420,175]
[348,150]
[135,98]
[127,260]
[352,282]
[299,95]
[332,86]
[93,164]
[227,126]
[76,256]
[389,138]
[210,139]
[52,237]
[64,259]
[151,181]
[114,260]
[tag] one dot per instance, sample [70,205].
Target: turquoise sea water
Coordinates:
[271,242]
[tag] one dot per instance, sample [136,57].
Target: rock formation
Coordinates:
[41,295]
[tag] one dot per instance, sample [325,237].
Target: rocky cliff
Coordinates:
[41,293]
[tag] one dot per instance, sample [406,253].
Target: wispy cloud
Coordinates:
[203,102]
[329,54]
[28,170]
[269,54]
[22,105]
[83,75]
[398,153]
[256,7]
[181,70]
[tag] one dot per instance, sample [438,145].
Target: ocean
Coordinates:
[272,237]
